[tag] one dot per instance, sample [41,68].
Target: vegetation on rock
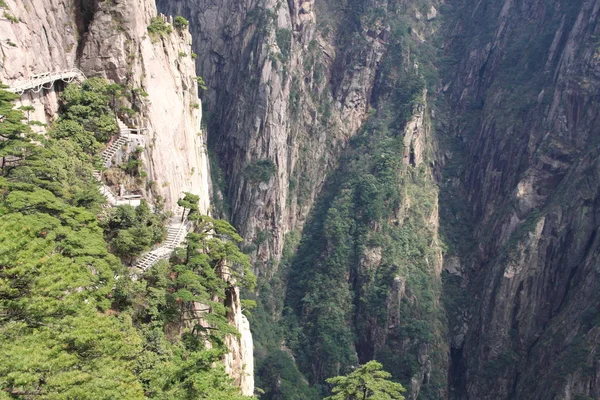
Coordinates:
[72,323]
[260,171]
[159,28]
[180,23]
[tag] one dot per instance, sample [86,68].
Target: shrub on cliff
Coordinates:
[260,171]
[180,22]
[368,382]
[159,28]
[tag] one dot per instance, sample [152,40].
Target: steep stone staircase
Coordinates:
[177,227]
[112,149]
[126,135]
[111,197]
[107,155]
[177,231]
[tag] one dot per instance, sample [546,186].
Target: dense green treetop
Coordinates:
[367,382]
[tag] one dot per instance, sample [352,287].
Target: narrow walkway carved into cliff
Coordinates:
[46,81]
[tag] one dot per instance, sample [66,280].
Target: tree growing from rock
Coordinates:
[190,202]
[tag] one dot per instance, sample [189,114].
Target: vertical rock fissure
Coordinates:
[83,20]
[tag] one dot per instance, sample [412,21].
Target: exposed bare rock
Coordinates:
[531,178]
[36,37]
[162,66]
[239,362]
[306,101]
[40,36]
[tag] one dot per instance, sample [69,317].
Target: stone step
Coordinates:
[109,152]
[176,234]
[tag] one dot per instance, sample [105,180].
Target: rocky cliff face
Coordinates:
[525,89]
[111,39]
[38,37]
[279,123]
[289,84]
[162,66]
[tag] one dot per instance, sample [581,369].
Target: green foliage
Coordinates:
[219,204]
[201,83]
[57,338]
[190,366]
[115,91]
[260,171]
[131,231]
[133,165]
[190,202]
[11,18]
[27,109]
[86,114]
[127,111]
[280,379]
[180,22]
[158,28]
[368,382]
[336,304]
[284,42]
[72,324]
[15,136]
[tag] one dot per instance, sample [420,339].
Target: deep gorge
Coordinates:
[415,182]
[481,102]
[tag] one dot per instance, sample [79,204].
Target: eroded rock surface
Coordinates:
[296,102]
[526,92]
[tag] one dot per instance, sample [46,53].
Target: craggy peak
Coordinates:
[300,199]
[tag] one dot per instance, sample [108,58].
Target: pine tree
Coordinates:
[190,202]
[369,381]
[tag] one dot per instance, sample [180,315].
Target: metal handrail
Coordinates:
[46,80]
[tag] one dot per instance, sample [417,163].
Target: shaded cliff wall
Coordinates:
[525,89]
[366,280]
[289,85]
[283,98]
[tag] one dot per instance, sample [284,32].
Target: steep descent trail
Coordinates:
[177,231]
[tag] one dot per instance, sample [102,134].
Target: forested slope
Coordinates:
[74,323]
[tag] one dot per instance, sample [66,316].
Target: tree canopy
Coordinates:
[369,381]
[73,325]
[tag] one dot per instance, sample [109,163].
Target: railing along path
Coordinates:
[177,231]
[46,81]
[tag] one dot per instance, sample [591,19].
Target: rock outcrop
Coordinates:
[294,104]
[239,363]
[289,84]
[37,36]
[162,66]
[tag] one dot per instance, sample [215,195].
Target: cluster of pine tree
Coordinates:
[73,325]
